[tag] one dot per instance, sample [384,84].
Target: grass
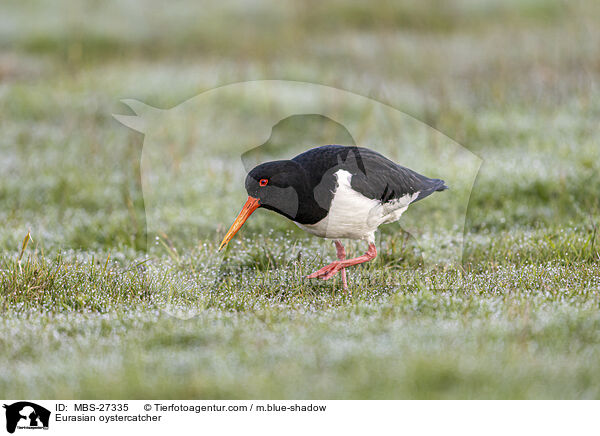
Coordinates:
[93,306]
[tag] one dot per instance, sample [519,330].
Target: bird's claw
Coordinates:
[327,272]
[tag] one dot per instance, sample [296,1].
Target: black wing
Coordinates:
[373,175]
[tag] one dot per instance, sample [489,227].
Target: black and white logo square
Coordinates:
[26,415]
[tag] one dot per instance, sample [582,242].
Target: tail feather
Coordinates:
[440,185]
[436,185]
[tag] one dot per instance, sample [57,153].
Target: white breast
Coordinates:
[354,216]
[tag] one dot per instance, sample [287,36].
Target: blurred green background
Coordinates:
[516,82]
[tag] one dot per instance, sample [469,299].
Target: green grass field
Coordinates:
[83,305]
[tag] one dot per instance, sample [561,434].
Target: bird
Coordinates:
[335,192]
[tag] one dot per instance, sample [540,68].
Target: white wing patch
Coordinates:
[392,210]
[354,216]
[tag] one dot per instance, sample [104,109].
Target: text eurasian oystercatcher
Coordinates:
[335,192]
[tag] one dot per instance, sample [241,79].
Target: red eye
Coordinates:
[263,182]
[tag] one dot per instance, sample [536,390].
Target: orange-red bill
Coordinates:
[250,206]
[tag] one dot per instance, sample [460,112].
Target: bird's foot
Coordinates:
[341,255]
[328,271]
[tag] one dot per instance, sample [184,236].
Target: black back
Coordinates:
[373,175]
[307,183]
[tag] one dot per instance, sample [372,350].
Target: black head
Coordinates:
[278,186]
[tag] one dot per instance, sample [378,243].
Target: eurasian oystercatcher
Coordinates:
[335,192]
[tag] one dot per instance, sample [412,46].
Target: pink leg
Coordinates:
[331,269]
[341,255]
